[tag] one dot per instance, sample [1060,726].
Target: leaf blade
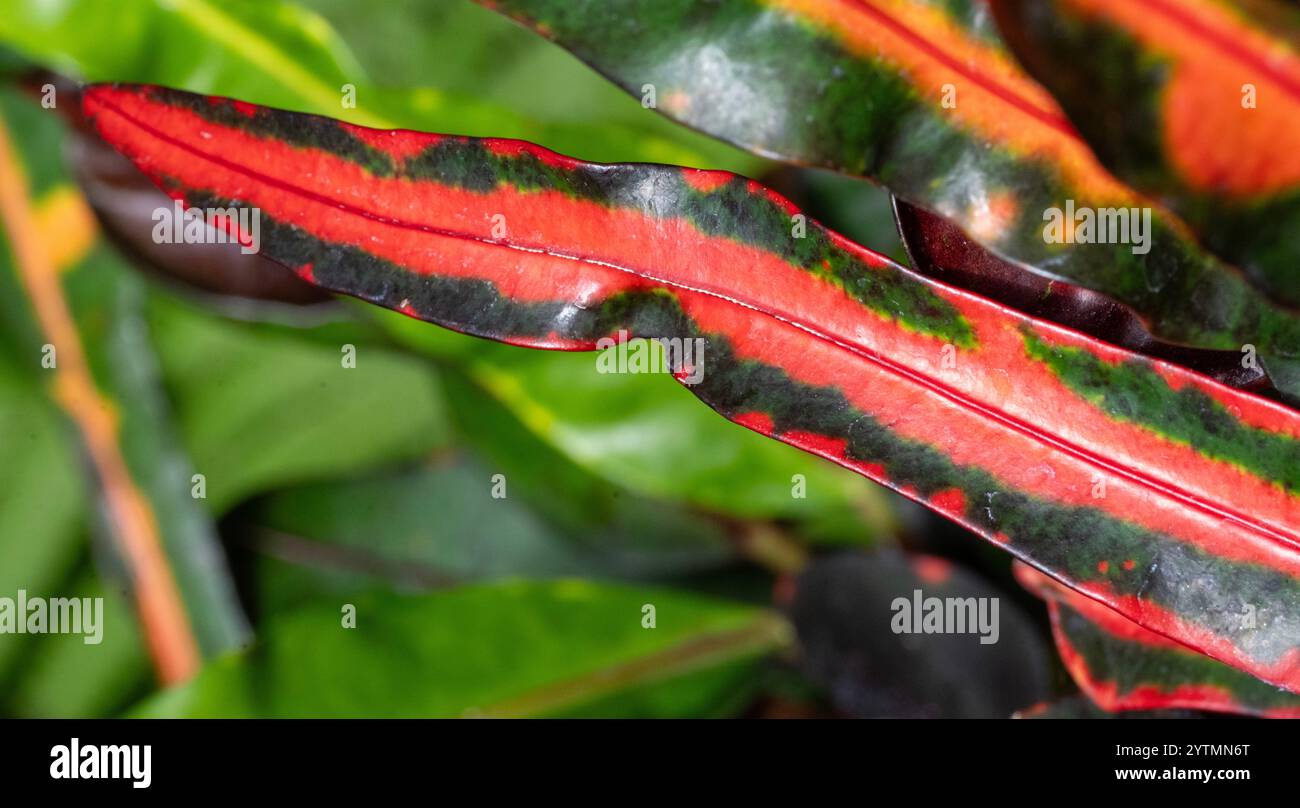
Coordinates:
[1194,102]
[583,644]
[953,125]
[1123,667]
[814,341]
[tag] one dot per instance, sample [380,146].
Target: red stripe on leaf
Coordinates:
[983,404]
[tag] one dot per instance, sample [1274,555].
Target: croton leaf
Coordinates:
[940,249]
[1196,101]
[925,100]
[1168,496]
[1122,666]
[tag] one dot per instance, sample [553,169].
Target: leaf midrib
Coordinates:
[766,631]
[964,401]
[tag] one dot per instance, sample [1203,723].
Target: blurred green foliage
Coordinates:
[263,408]
[553,648]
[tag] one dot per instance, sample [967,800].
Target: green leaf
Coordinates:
[653,438]
[271,52]
[65,677]
[261,407]
[472,53]
[255,48]
[644,532]
[42,495]
[514,506]
[418,526]
[507,649]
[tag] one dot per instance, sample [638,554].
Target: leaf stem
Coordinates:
[166,626]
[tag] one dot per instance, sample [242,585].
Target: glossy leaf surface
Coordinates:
[926,100]
[1160,492]
[1122,666]
[1196,102]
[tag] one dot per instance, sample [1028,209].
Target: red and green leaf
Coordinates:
[1175,502]
[926,101]
[1122,666]
[938,248]
[1195,101]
